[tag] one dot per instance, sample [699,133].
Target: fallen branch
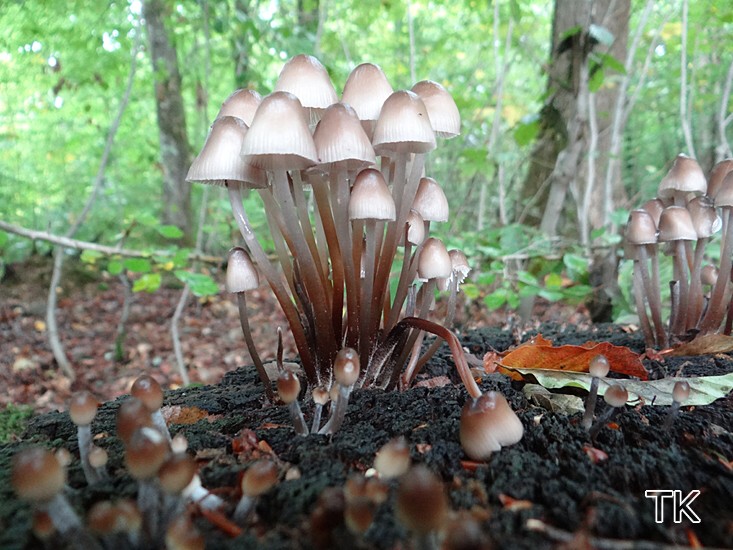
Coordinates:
[103,249]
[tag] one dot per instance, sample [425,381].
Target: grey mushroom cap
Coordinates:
[675,224]
[704,217]
[684,177]
[641,228]
[717,174]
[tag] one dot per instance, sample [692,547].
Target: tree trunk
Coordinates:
[561,151]
[174,147]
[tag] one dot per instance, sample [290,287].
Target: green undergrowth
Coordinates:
[13,420]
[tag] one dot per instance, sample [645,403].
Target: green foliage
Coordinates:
[13,420]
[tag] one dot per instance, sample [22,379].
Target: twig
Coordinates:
[411,33]
[176,338]
[124,315]
[67,242]
[684,114]
[53,334]
[723,150]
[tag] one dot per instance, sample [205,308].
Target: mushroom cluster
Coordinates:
[347,203]
[688,211]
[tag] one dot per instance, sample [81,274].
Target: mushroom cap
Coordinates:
[705,219]
[242,104]
[415,229]
[370,197]
[724,196]
[320,395]
[220,161]
[132,415]
[640,228]
[181,534]
[340,139]
[434,261]
[146,452]
[654,207]
[98,457]
[616,395]
[430,201]
[717,174]
[83,408]
[403,126]
[459,269]
[279,137]
[176,473]
[681,391]
[288,386]
[599,366]
[684,177]
[148,391]
[307,79]
[421,503]
[37,476]
[444,116]
[241,272]
[488,423]
[366,90]
[393,458]
[346,366]
[259,478]
[675,224]
[709,274]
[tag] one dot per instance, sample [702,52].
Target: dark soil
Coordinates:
[548,476]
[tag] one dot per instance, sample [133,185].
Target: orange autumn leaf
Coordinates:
[540,353]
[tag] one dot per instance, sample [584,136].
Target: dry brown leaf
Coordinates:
[540,353]
[710,344]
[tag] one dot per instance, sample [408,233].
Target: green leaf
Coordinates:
[150,282]
[170,231]
[601,34]
[486,279]
[703,389]
[90,256]
[596,79]
[200,284]
[470,290]
[496,299]
[572,31]
[550,295]
[527,278]
[612,63]
[526,131]
[137,265]
[3,239]
[114,267]
[553,281]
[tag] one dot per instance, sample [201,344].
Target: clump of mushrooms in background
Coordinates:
[688,211]
[347,203]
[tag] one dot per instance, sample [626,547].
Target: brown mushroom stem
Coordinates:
[260,258]
[326,216]
[325,342]
[367,336]
[425,301]
[638,288]
[254,355]
[301,206]
[695,305]
[651,288]
[716,308]
[407,278]
[448,322]
[279,235]
[604,419]
[339,411]
[674,299]
[680,268]
[590,404]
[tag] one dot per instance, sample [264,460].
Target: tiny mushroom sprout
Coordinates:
[422,505]
[147,390]
[598,368]
[241,277]
[82,410]
[346,370]
[38,478]
[393,459]
[488,423]
[288,388]
[615,397]
[680,393]
[259,478]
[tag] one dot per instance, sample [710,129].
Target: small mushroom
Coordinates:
[598,368]
[680,393]
[488,423]
[259,478]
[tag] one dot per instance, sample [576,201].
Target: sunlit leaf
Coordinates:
[150,282]
[137,265]
[114,267]
[170,231]
[199,283]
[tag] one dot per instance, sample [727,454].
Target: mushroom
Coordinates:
[685,178]
[346,369]
[242,104]
[241,277]
[147,390]
[182,535]
[598,368]
[680,394]
[442,110]
[307,79]
[488,423]
[422,505]
[259,478]
[393,458]
[288,388]
[82,410]
[615,397]
[706,222]
[366,90]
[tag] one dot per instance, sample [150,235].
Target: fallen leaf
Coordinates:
[595,455]
[554,402]
[512,504]
[703,389]
[710,344]
[434,382]
[540,353]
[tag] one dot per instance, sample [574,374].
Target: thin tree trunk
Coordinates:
[51,323]
[174,148]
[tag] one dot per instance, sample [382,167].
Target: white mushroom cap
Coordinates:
[684,177]
[366,90]
[340,139]
[241,272]
[444,116]
[219,160]
[307,79]
[430,201]
[434,261]
[488,423]
[370,197]
[242,104]
[403,126]
[279,138]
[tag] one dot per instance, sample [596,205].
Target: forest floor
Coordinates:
[557,487]
[89,309]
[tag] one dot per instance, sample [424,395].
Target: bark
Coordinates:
[561,150]
[174,148]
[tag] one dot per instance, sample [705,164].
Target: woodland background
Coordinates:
[572,112]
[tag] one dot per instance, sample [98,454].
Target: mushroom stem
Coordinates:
[590,404]
[716,306]
[654,297]
[254,355]
[84,436]
[681,269]
[339,412]
[638,285]
[260,258]
[695,305]
[449,317]
[301,428]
